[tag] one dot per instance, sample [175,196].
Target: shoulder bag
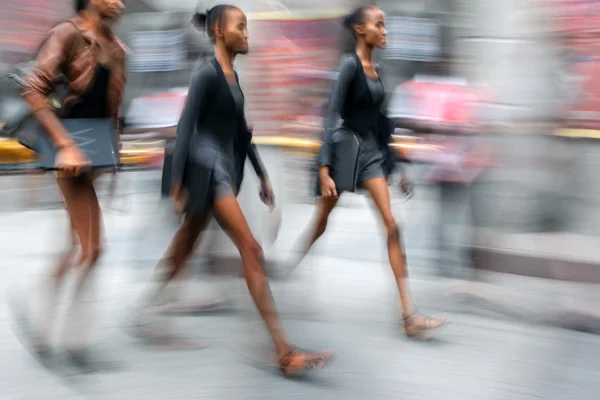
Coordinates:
[15,112]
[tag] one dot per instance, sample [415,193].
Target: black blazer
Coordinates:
[210,123]
[351,101]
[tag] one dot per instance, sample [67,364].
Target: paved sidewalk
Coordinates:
[341,297]
[352,312]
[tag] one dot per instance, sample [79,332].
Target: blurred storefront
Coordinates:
[288,71]
[421,37]
[23,23]
[578,23]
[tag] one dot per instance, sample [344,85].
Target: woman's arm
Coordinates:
[257,163]
[41,80]
[195,103]
[346,74]
[122,65]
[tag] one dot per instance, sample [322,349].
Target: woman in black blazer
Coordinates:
[357,97]
[212,144]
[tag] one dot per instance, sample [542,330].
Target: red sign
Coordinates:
[579,20]
[451,107]
[23,23]
[438,104]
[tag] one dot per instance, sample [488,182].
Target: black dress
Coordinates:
[92,104]
[370,157]
[224,168]
[212,140]
[356,99]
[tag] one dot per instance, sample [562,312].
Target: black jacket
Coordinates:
[351,101]
[210,125]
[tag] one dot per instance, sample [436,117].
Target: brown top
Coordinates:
[71,49]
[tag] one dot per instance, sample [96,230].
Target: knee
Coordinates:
[90,255]
[95,253]
[252,249]
[392,230]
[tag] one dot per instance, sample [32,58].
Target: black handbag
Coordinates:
[345,164]
[15,113]
[95,137]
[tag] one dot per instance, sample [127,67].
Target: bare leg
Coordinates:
[324,208]
[173,290]
[171,266]
[86,220]
[174,261]
[229,215]
[50,290]
[231,218]
[414,324]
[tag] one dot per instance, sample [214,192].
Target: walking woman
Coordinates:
[212,143]
[89,55]
[357,97]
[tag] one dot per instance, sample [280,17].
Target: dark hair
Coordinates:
[206,21]
[355,17]
[81,5]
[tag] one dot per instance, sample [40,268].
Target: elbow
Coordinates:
[325,156]
[35,99]
[36,90]
[327,138]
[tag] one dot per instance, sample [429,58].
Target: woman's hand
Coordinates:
[71,160]
[266,193]
[327,184]
[179,197]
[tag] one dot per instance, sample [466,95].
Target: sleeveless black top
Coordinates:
[94,102]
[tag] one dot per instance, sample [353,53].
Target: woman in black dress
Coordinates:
[212,143]
[357,97]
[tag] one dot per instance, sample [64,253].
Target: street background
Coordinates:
[497,109]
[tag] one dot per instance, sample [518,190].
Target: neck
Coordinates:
[95,22]
[224,57]
[364,51]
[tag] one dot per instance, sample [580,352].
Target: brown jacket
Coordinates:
[73,52]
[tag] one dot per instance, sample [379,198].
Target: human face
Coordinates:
[109,9]
[373,28]
[235,31]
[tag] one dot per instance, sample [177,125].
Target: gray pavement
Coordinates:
[341,298]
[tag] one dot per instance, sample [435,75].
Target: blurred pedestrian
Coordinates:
[357,97]
[212,144]
[86,51]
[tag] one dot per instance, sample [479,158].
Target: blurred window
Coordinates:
[414,39]
[156,51]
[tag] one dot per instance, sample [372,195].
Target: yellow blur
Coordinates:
[144,152]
